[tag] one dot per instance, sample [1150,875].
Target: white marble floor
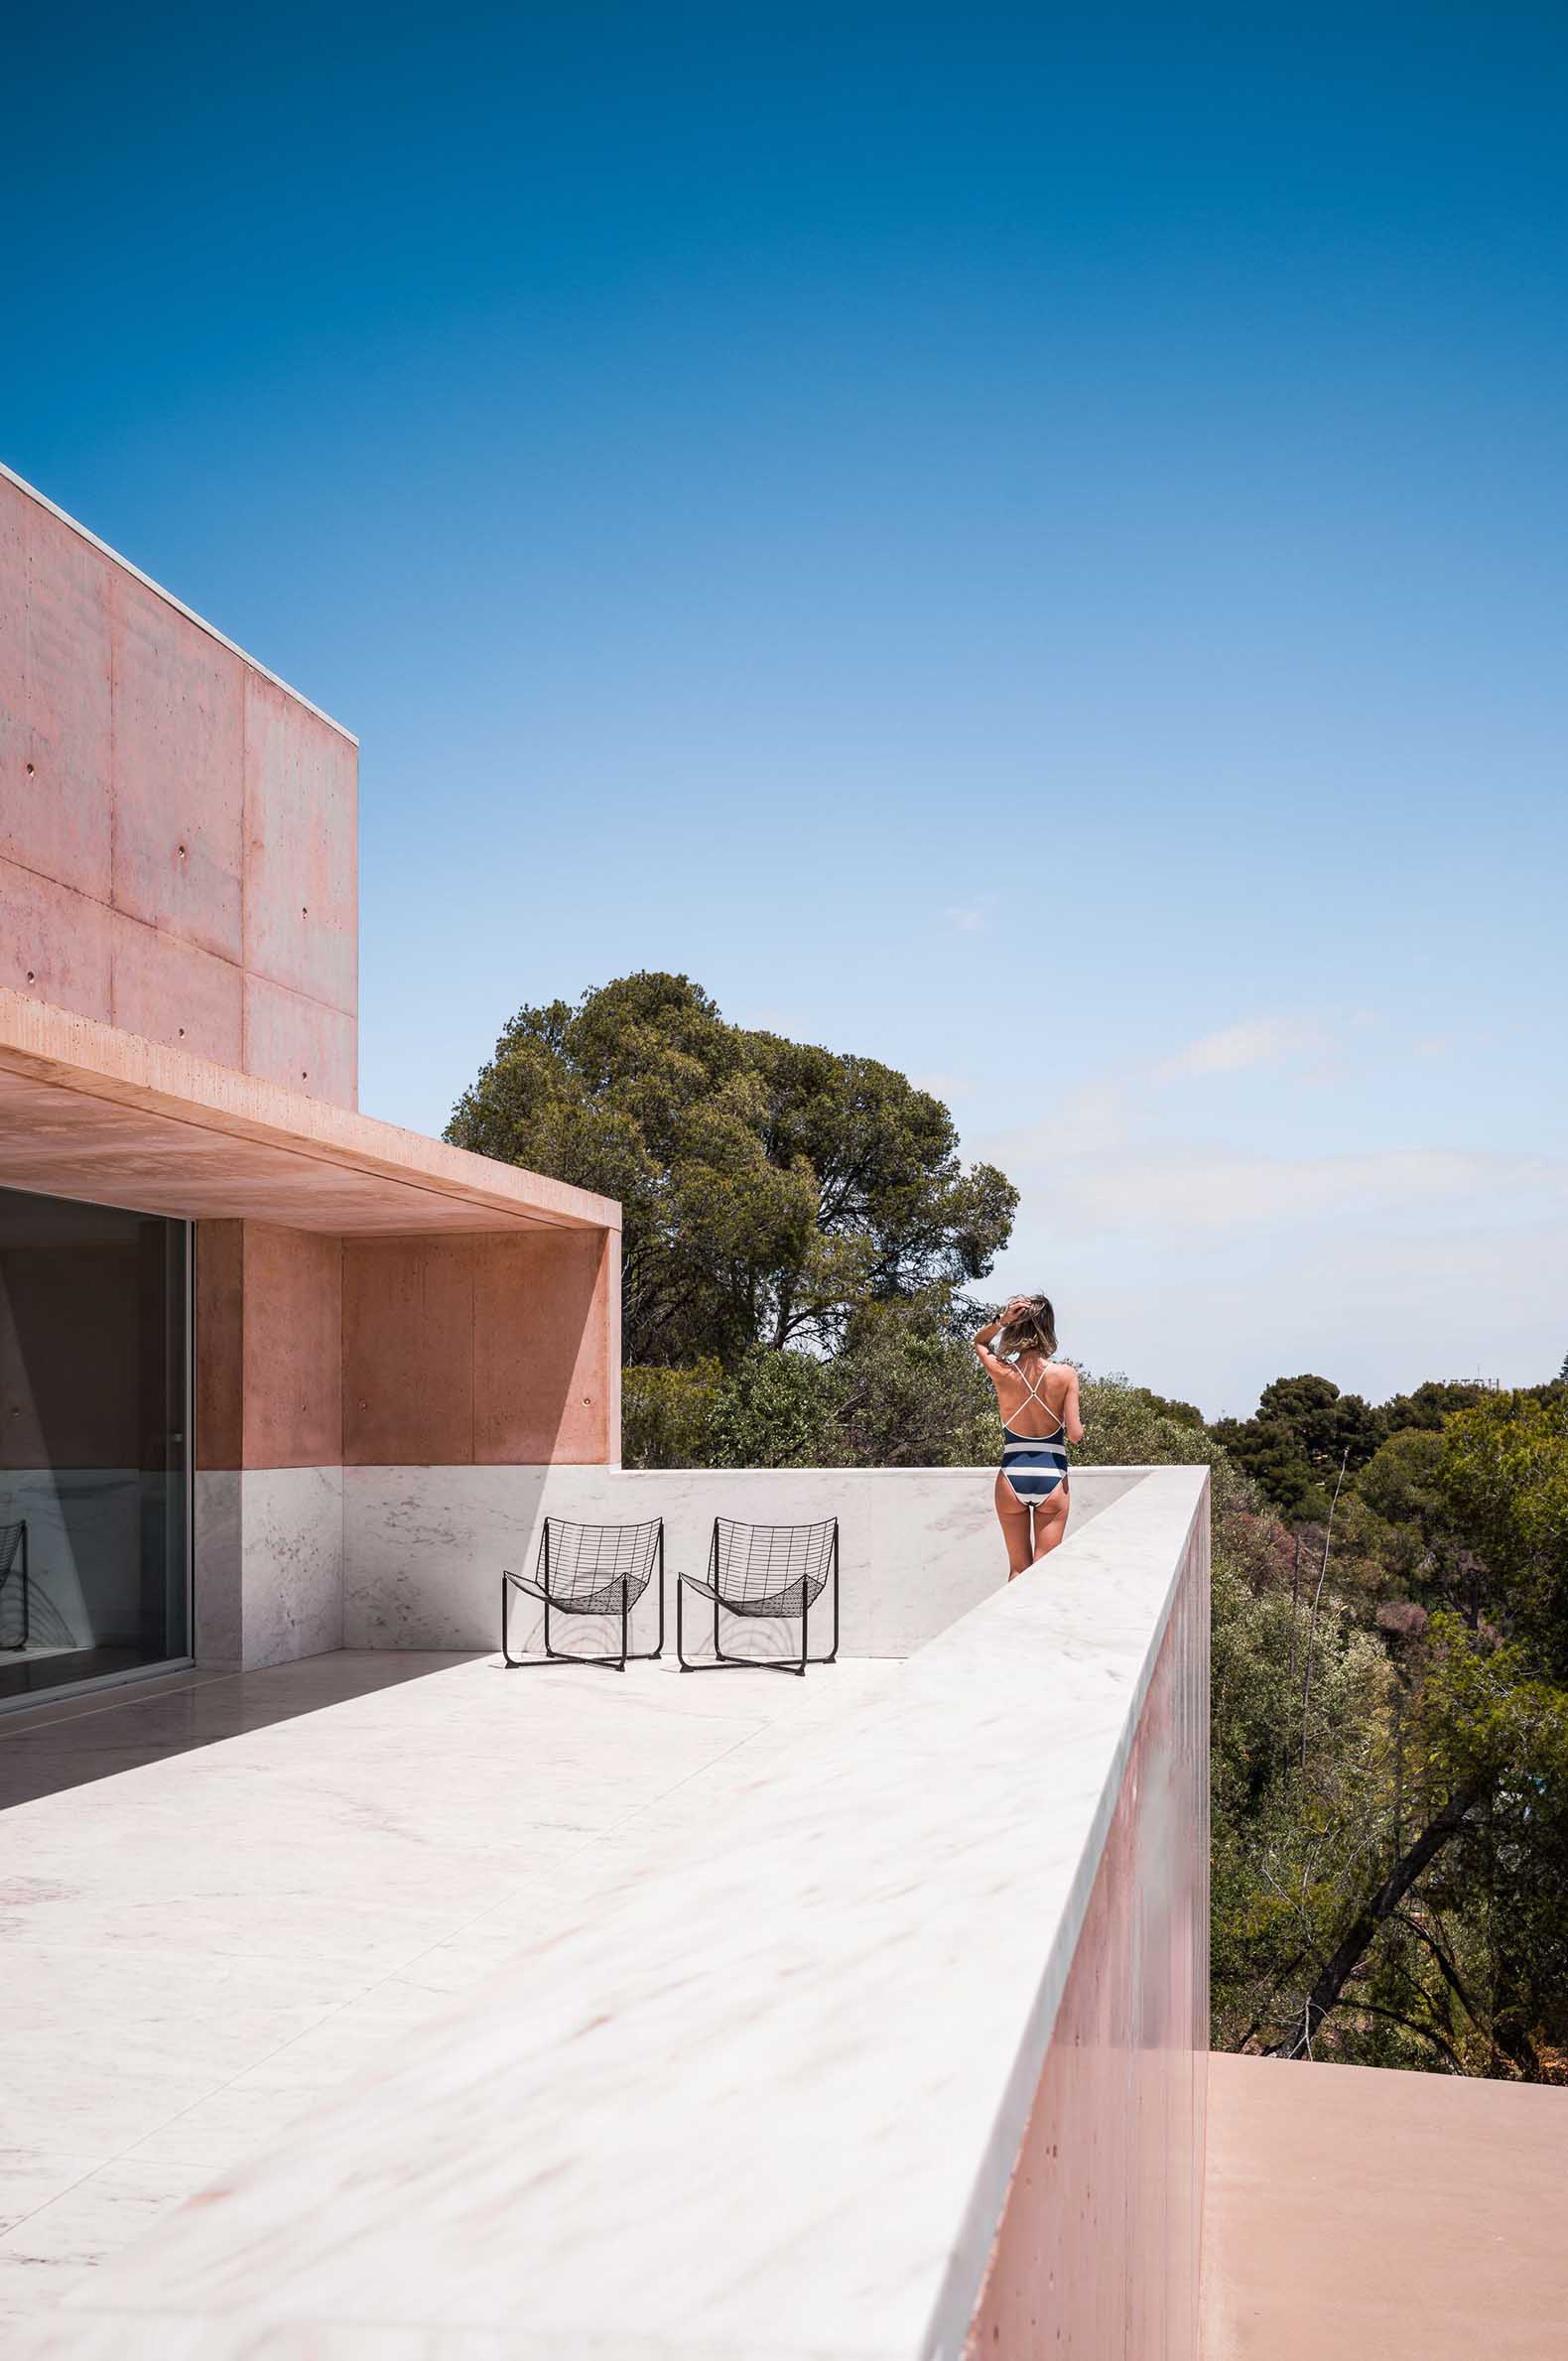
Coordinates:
[221,1896]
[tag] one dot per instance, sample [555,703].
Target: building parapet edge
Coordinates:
[85,533]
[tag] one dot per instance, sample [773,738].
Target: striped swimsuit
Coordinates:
[1032,1465]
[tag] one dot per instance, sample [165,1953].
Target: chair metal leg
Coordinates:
[651,1655]
[713,1663]
[752,1665]
[720,1663]
[832,1657]
[561,1655]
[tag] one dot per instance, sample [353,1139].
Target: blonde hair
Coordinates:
[1033,1331]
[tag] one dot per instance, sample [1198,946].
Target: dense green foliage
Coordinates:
[1304,1431]
[904,1390]
[1391,1731]
[1389,1756]
[770,1190]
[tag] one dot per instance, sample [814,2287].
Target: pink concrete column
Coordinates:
[267,1443]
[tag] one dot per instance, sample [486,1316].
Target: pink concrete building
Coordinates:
[219,1284]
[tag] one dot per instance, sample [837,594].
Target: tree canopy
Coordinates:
[1391,1739]
[771,1191]
[1305,1431]
[903,1390]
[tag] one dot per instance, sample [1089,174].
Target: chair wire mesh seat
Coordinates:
[16,1583]
[757,1571]
[590,1569]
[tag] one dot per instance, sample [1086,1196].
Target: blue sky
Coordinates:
[1027,543]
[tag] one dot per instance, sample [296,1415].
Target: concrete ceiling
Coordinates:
[90,1112]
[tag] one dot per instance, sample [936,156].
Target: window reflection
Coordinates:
[93,1480]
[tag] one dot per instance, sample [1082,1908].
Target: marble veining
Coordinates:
[292,1563]
[268,1562]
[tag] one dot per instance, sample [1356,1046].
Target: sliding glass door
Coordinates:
[94,1468]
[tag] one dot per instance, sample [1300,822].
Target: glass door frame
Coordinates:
[66,1692]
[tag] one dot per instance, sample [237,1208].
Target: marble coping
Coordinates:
[763,2104]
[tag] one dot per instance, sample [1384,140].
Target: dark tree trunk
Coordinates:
[1348,1953]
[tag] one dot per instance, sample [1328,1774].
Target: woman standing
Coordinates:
[1038,1401]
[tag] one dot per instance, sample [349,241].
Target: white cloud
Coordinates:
[1097,1180]
[1206,1265]
[1088,1121]
[972,918]
[1377,1310]
[1260,1041]
[1181,1190]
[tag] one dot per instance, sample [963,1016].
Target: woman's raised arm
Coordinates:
[994,1328]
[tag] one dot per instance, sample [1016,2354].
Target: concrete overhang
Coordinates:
[95,1113]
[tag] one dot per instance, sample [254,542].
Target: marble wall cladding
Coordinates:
[793,2064]
[268,1565]
[424,1547]
[217,1568]
[293,1563]
[1099,2246]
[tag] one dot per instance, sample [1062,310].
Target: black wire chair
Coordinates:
[14,1568]
[776,1571]
[591,1569]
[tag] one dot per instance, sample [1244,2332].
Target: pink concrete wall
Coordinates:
[269,1347]
[1389,2216]
[178,834]
[495,1351]
[218,1372]
[322,1352]
[1098,2251]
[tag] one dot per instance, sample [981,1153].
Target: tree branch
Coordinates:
[1423,2033]
[1323,1573]
[1450,1973]
[1336,1972]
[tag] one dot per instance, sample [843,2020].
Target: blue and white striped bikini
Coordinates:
[1032,1465]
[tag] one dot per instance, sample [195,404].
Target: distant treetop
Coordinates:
[772,1190]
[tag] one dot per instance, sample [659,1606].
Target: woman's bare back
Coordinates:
[1032,1390]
